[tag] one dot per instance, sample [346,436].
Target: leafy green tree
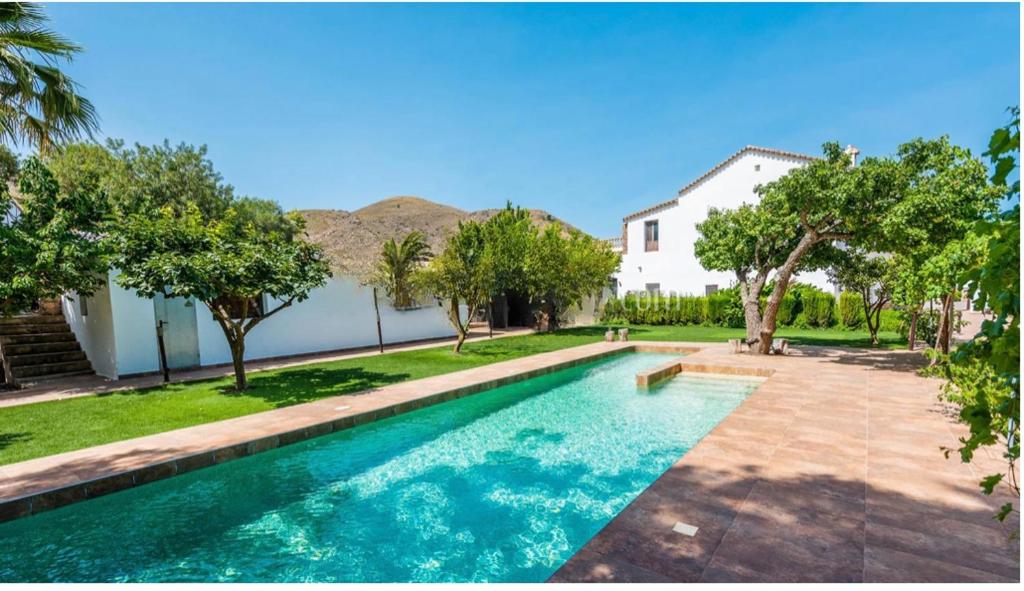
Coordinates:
[946,193]
[179,177]
[397,267]
[9,165]
[508,236]
[984,373]
[565,267]
[85,167]
[52,245]
[39,104]
[460,274]
[909,292]
[870,276]
[825,201]
[226,262]
[751,243]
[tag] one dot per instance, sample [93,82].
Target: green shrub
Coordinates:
[818,308]
[787,310]
[890,321]
[851,309]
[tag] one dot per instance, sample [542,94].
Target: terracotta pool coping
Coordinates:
[34,486]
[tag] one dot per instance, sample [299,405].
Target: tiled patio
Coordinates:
[829,471]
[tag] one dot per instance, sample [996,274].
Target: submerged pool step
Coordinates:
[665,371]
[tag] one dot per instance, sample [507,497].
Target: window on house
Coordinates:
[757,168]
[652,288]
[651,235]
[710,289]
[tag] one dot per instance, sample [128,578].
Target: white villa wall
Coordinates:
[134,330]
[674,265]
[337,316]
[95,330]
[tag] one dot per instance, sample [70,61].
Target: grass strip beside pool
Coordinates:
[47,428]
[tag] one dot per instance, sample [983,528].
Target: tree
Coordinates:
[751,244]
[563,268]
[460,274]
[39,104]
[909,292]
[53,245]
[984,373]
[946,193]
[508,236]
[397,266]
[228,263]
[825,201]
[870,276]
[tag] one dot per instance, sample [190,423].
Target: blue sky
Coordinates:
[588,111]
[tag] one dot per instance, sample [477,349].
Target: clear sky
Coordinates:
[588,111]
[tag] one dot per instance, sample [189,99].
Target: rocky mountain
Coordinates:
[352,239]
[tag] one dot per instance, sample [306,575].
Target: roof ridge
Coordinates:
[716,168]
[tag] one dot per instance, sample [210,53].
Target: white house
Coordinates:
[657,242]
[117,329]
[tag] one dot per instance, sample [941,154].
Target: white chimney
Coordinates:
[853,152]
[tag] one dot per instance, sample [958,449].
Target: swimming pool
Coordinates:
[504,485]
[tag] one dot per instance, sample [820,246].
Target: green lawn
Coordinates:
[47,428]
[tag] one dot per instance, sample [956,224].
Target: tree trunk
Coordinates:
[456,320]
[750,295]
[945,325]
[943,332]
[912,333]
[238,360]
[865,299]
[782,278]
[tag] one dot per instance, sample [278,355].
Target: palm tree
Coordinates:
[396,266]
[39,104]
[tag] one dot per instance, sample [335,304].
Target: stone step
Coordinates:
[33,359]
[39,337]
[33,328]
[63,346]
[55,376]
[32,319]
[51,369]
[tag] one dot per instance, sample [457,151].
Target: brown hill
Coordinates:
[353,239]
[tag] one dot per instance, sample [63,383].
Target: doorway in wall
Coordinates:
[181,335]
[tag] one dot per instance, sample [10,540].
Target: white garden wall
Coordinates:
[95,329]
[337,316]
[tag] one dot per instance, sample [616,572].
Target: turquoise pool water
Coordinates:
[504,485]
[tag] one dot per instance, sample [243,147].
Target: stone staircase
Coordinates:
[36,347]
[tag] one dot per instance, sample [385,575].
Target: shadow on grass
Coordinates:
[9,439]
[306,384]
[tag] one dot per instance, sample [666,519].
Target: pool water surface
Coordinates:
[504,485]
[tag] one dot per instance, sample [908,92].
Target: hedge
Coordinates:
[803,305]
[851,309]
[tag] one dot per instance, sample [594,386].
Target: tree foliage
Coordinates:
[984,376]
[228,263]
[460,275]
[825,201]
[397,266]
[565,267]
[868,275]
[53,245]
[39,104]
